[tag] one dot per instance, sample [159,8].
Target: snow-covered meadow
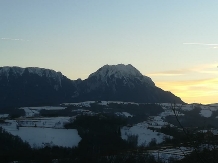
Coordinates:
[144,134]
[2,116]
[42,136]
[39,131]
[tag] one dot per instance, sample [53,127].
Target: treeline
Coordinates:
[100,135]
[12,147]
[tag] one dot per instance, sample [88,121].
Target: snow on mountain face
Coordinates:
[45,72]
[18,71]
[33,70]
[6,70]
[120,71]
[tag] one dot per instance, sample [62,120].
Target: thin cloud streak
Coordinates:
[13,39]
[204,69]
[203,44]
[169,73]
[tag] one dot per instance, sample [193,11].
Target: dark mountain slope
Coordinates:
[38,86]
[33,86]
[122,83]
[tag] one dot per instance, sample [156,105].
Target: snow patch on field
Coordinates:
[206,113]
[169,112]
[84,112]
[104,103]
[185,107]
[4,115]
[30,112]
[39,137]
[188,107]
[80,104]
[156,121]
[125,114]
[121,102]
[145,135]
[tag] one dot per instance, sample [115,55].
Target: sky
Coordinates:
[175,42]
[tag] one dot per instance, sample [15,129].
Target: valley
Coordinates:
[149,126]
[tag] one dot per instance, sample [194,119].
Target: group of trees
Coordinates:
[100,135]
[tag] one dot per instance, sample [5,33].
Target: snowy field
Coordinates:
[157,122]
[205,110]
[125,114]
[145,135]
[39,137]
[205,113]
[80,104]
[84,112]
[45,130]
[4,116]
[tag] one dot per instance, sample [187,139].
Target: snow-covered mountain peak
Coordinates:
[120,71]
[117,71]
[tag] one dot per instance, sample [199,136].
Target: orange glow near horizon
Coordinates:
[195,91]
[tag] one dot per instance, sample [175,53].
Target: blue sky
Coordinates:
[173,42]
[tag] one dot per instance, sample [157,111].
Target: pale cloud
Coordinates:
[215,47]
[204,69]
[203,44]
[169,73]
[211,46]
[13,39]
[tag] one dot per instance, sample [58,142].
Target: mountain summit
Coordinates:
[122,83]
[120,71]
[37,86]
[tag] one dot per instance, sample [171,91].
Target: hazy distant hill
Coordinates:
[38,86]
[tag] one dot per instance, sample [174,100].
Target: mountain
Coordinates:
[39,86]
[33,86]
[122,83]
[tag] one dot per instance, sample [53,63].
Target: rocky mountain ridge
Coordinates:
[36,86]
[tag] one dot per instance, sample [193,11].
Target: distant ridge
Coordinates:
[36,86]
